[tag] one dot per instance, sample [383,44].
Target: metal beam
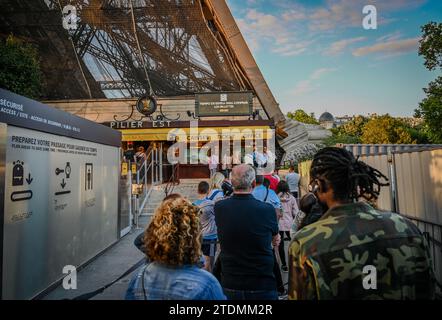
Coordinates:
[229,29]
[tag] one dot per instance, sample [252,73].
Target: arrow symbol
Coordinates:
[63,184]
[29,179]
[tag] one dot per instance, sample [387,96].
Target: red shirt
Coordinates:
[273,181]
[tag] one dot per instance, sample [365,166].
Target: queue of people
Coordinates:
[172,244]
[230,243]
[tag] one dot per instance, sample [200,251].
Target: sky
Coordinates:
[317,56]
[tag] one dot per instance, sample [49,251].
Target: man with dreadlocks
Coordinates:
[354,251]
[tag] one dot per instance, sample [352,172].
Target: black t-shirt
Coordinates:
[245,230]
[129,154]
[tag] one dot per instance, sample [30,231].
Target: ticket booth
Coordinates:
[242,133]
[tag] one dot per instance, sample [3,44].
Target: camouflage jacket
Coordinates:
[327,258]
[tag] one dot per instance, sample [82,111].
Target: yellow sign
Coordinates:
[201,133]
[124,169]
[134,168]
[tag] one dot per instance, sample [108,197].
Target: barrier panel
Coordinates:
[415,178]
[382,162]
[415,190]
[304,173]
[59,178]
[419,184]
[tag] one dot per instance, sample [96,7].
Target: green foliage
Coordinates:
[430,110]
[348,133]
[338,137]
[377,130]
[386,129]
[431,45]
[19,68]
[301,116]
[352,128]
[419,134]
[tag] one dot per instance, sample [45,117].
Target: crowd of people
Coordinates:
[230,242]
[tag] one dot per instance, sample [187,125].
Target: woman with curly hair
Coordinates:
[172,244]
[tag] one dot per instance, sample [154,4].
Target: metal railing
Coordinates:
[173,179]
[433,234]
[147,175]
[142,182]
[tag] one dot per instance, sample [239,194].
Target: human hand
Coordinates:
[276,240]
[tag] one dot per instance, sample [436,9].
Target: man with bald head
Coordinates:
[246,230]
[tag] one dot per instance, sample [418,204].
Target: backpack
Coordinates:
[227,188]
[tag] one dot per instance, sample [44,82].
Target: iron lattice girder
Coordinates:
[157,52]
[32,22]
[171,58]
[173,35]
[121,64]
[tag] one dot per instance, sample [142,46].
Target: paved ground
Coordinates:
[120,257]
[104,269]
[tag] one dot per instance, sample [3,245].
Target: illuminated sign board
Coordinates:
[215,104]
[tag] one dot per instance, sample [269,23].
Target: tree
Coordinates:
[419,134]
[348,133]
[301,116]
[430,45]
[353,127]
[338,137]
[19,68]
[430,109]
[385,130]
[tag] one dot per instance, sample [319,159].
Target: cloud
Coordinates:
[302,87]
[291,28]
[309,85]
[390,37]
[339,46]
[297,13]
[340,14]
[318,73]
[394,47]
[263,29]
[292,49]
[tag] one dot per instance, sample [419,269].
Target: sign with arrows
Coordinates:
[66,173]
[60,185]
[18,174]
[29,179]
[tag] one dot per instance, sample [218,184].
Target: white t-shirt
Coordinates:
[260,158]
[269,157]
